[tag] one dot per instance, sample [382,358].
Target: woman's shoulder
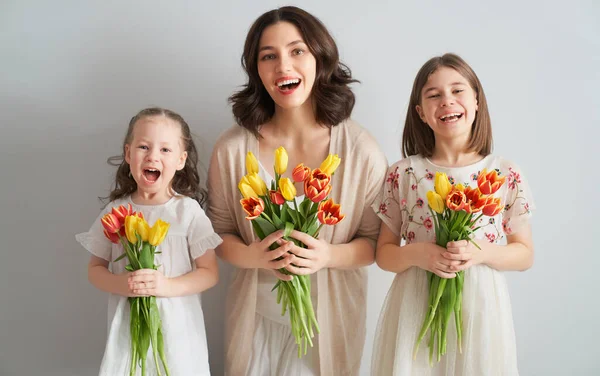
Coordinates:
[232,138]
[355,132]
[360,140]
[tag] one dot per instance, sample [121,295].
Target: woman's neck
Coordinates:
[295,123]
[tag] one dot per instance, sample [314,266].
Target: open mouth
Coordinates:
[151,174]
[451,118]
[288,85]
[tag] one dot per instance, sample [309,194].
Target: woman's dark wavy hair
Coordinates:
[332,97]
[186,181]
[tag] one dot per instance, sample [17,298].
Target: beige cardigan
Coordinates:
[341,301]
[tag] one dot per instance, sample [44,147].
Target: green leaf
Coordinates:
[146,257]
[266,226]
[312,229]
[288,229]
[305,207]
[257,229]
[277,221]
[120,257]
[284,212]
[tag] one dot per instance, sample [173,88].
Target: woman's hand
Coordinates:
[304,261]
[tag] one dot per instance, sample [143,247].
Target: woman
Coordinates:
[297,96]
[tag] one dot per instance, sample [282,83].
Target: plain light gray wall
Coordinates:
[73,73]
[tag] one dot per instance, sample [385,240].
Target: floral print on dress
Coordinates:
[403,207]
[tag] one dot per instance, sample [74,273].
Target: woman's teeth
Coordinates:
[288,84]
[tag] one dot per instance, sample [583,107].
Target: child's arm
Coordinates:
[103,279]
[148,282]
[428,256]
[516,255]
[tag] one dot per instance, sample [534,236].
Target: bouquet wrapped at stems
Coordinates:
[269,211]
[124,226]
[455,211]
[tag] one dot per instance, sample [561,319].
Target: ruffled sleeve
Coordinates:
[388,203]
[518,200]
[201,235]
[95,241]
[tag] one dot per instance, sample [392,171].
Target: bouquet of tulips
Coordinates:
[124,226]
[455,212]
[269,211]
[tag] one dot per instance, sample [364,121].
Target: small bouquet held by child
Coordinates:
[124,226]
[269,211]
[454,210]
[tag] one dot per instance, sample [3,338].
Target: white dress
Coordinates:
[190,235]
[488,346]
[274,349]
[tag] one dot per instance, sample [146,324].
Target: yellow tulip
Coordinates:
[459,187]
[245,188]
[257,184]
[143,229]
[281,160]
[251,163]
[287,188]
[158,232]
[131,224]
[442,185]
[435,202]
[330,164]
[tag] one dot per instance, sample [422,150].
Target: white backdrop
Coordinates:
[73,73]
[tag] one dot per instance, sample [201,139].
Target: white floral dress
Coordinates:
[488,335]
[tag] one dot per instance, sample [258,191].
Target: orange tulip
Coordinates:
[475,200]
[456,200]
[329,213]
[300,173]
[111,223]
[492,206]
[253,206]
[489,182]
[276,197]
[122,211]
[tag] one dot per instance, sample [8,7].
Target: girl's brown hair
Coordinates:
[186,181]
[418,138]
[332,97]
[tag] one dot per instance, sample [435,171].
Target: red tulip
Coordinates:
[316,186]
[489,182]
[492,206]
[253,206]
[122,211]
[300,173]
[276,197]
[456,200]
[114,237]
[111,223]
[475,200]
[329,213]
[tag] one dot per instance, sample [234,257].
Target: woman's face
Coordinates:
[286,66]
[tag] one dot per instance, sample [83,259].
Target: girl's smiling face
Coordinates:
[448,104]
[154,155]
